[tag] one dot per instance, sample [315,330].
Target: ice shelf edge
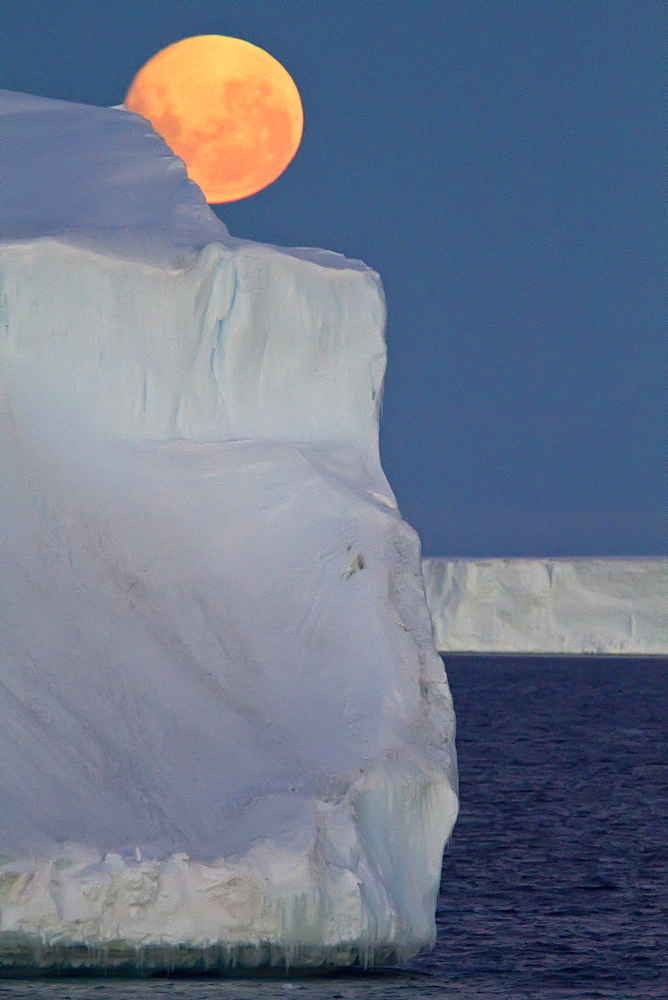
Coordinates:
[579,606]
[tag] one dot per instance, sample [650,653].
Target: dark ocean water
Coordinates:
[555,884]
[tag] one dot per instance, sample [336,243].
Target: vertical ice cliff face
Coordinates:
[227,737]
[155,353]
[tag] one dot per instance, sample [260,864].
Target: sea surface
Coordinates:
[555,884]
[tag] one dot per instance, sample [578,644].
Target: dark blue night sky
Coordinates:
[500,163]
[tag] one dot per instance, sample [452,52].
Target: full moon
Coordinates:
[226,107]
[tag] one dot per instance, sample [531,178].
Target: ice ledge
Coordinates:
[321,901]
[549,606]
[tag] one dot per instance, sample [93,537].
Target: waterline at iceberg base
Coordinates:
[228,740]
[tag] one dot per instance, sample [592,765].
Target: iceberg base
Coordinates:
[358,890]
[26,956]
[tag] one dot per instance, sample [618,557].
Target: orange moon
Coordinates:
[226,107]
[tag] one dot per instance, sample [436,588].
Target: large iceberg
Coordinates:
[227,738]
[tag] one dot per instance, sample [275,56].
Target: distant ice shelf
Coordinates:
[575,606]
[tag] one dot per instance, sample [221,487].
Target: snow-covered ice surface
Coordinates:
[595,606]
[226,735]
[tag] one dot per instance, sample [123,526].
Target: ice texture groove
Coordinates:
[227,737]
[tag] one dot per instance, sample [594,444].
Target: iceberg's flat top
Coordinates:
[569,606]
[75,171]
[103,179]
